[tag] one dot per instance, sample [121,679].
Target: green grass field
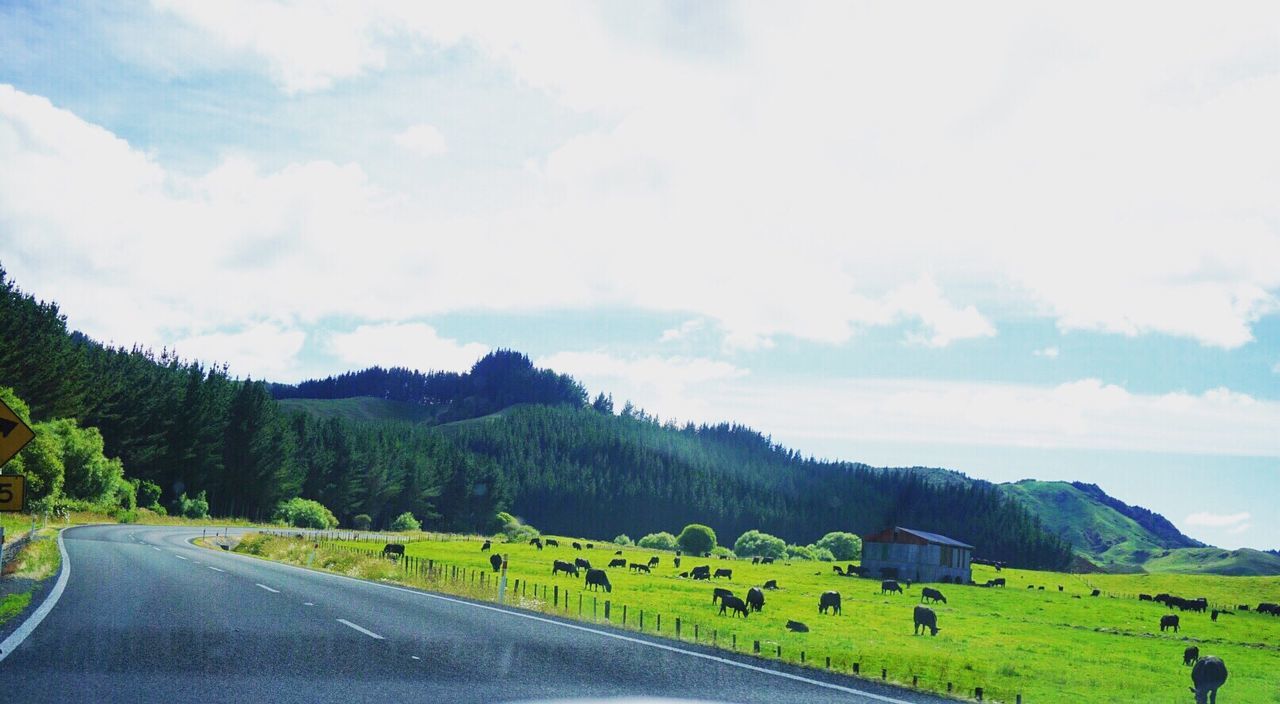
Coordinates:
[1047,645]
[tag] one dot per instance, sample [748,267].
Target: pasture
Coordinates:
[1048,646]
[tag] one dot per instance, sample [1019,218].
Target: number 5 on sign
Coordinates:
[13,489]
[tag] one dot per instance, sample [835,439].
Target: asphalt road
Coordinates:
[148,617]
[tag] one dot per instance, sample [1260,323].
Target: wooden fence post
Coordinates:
[677,628]
[556,596]
[977,693]
[606,609]
[624,614]
[756,647]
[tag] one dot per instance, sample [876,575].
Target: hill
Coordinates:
[362,408]
[1211,560]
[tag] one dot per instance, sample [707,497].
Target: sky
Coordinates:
[1019,240]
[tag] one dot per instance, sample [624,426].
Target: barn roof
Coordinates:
[888,536]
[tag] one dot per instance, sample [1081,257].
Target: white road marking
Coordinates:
[180,557]
[215,569]
[415,657]
[365,631]
[15,639]
[606,634]
[155,548]
[307,603]
[273,591]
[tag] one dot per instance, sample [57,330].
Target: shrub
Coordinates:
[800,552]
[148,494]
[821,554]
[658,541]
[721,551]
[405,522]
[305,513]
[753,543]
[192,508]
[361,521]
[515,530]
[843,546]
[623,539]
[697,539]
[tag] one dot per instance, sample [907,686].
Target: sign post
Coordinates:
[14,434]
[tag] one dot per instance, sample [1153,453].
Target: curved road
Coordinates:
[148,617]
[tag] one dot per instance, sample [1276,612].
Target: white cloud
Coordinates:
[673,386]
[1218,520]
[424,140]
[412,345]
[1050,352]
[685,329]
[264,350]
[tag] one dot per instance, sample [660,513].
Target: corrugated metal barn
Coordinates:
[917,555]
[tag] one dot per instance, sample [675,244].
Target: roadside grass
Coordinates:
[13,604]
[38,561]
[1049,646]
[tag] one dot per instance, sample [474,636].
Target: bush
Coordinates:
[721,551]
[305,513]
[623,539]
[514,530]
[753,543]
[658,541]
[148,495]
[843,546]
[405,522]
[361,521]
[192,508]
[697,539]
[800,552]
[821,554]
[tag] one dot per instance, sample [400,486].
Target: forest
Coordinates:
[549,457]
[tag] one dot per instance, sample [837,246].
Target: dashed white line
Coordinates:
[215,569]
[307,603]
[273,591]
[415,657]
[180,557]
[365,631]
[155,548]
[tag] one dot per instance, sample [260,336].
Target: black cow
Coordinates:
[1207,676]
[582,562]
[619,562]
[684,575]
[727,574]
[1031,586]
[617,552]
[1214,616]
[653,561]
[639,567]
[850,571]
[797,627]
[755,599]
[561,566]
[597,579]
[675,560]
[1096,592]
[1190,655]
[719,593]
[926,618]
[755,560]
[553,543]
[829,600]
[1169,621]
[1040,588]
[722,557]
[997,582]
[487,545]
[766,560]
[496,561]
[1268,608]
[394,551]
[932,594]
[577,546]
[734,604]
[771,584]
[591,546]
[1059,587]
[1144,597]
[536,543]
[890,585]
[838,570]
[701,572]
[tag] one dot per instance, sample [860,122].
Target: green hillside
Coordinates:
[361,408]
[1098,532]
[1210,560]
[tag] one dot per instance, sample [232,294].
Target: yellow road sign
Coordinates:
[13,490]
[14,434]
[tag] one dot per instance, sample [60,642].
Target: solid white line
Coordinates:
[15,639]
[365,631]
[273,591]
[606,634]
[215,569]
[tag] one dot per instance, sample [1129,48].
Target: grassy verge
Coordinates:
[38,561]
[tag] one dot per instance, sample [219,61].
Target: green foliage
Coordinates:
[514,529]
[192,508]
[658,541]
[305,513]
[41,463]
[623,539]
[361,521]
[800,552]
[405,522]
[842,546]
[721,551]
[754,543]
[149,495]
[697,539]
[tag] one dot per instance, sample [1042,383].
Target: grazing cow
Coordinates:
[640,567]
[1169,621]
[684,575]
[618,562]
[577,546]
[722,557]
[838,570]
[394,551]
[890,585]
[582,562]
[719,593]
[1144,597]
[487,545]
[734,604]
[701,572]
[597,579]
[755,599]
[496,561]
[1190,655]
[933,594]
[561,566]
[1096,592]
[535,541]
[676,561]
[797,627]
[926,618]
[850,571]
[829,600]
[1031,586]
[755,560]
[997,582]
[771,584]
[766,560]
[590,546]
[1242,607]
[617,552]
[1040,588]
[553,543]
[727,574]
[1268,608]
[1214,616]
[1059,587]
[1208,674]
[653,561]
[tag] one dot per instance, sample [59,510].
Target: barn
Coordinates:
[917,555]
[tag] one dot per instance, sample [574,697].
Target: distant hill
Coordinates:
[1210,560]
[362,408]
